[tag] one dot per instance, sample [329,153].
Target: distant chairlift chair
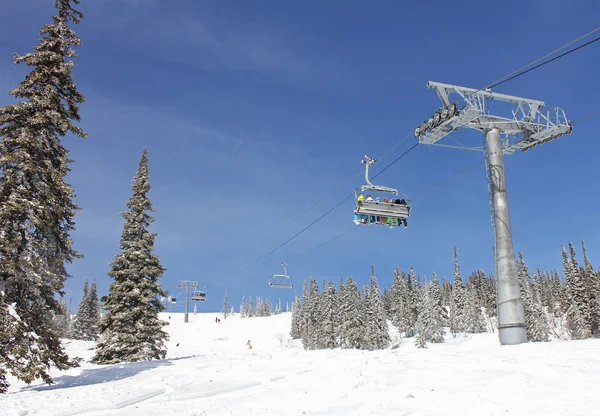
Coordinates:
[282,281]
[199,295]
[379,208]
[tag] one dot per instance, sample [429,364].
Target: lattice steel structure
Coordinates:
[528,127]
[187,284]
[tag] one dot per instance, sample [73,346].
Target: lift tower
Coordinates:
[528,127]
[187,284]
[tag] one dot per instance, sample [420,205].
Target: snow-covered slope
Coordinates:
[213,372]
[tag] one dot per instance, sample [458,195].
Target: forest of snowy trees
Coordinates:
[555,307]
[251,308]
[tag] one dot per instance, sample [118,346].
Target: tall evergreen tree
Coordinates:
[243,307]
[62,320]
[80,322]
[352,330]
[326,331]
[457,304]
[38,211]
[88,315]
[131,329]
[430,324]
[296,329]
[377,331]
[578,311]
[535,319]
[226,307]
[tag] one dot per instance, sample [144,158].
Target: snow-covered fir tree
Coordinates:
[38,211]
[296,328]
[278,307]
[243,312]
[352,317]
[62,320]
[578,313]
[325,334]
[226,306]
[457,301]
[535,318]
[377,331]
[88,315]
[401,306]
[592,282]
[250,312]
[311,315]
[431,320]
[472,318]
[131,329]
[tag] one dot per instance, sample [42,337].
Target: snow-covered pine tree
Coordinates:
[93,313]
[88,315]
[296,327]
[259,309]
[311,314]
[388,301]
[377,330]
[341,341]
[62,319]
[535,319]
[457,304]
[80,323]
[436,296]
[226,307]
[352,329]
[278,307]
[326,332]
[131,329]
[446,292]
[592,282]
[431,320]
[472,317]
[401,303]
[243,312]
[578,312]
[38,211]
[267,308]
[250,312]
[414,299]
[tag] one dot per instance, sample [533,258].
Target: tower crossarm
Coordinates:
[529,121]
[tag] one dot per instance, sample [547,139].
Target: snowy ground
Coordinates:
[212,372]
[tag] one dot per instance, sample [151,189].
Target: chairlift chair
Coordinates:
[380,208]
[281,281]
[199,295]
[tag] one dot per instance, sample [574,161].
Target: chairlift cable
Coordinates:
[503,79]
[586,117]
[542,57]
[448,181]
[546,62]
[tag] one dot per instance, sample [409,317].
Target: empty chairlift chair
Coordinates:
[379,209]
[281,281]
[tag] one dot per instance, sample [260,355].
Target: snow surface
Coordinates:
[213,372]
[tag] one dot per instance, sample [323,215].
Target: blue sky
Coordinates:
[253,111]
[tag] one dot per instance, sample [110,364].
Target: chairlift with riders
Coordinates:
[368,212]
[199,295]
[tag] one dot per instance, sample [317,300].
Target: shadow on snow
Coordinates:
[104,374]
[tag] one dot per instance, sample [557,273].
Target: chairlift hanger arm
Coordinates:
[369,186]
